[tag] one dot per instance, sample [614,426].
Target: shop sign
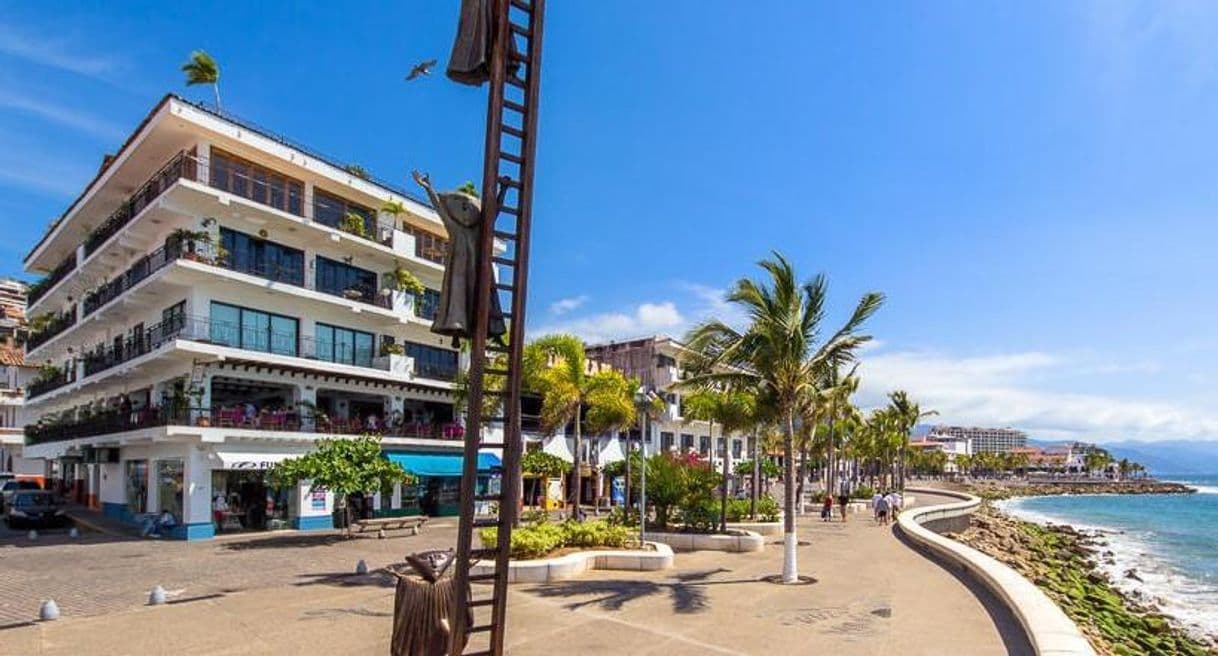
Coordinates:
[317,501]
[251,464]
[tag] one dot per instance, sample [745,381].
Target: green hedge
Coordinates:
[540,540]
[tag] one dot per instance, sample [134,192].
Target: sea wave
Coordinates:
[1199,487]
[1192,603]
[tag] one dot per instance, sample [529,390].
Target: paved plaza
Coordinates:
[293,594]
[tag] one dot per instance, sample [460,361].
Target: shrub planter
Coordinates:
[764,529]
[737,541]
[561,568]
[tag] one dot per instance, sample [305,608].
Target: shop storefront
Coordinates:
[436,491]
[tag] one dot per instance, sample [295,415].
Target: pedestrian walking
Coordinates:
[826,508]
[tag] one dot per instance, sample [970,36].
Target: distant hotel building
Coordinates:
[12,311]
[982,440]
[218,299]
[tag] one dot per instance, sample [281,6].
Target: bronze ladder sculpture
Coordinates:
[511,140]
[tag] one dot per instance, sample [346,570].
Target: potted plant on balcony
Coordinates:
[353,223]
[203,418]
[406,281]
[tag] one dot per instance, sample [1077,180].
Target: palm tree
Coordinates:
[202,69]
[778,355]
[556,367]
[733,410]
[907,414]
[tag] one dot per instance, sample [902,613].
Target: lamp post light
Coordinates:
[643,399]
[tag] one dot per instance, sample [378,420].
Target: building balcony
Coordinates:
[53,327]
[49,380]
[40,288]
[114,420]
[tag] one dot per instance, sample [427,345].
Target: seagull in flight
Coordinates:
[421,69]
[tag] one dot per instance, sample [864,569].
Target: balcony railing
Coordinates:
[57,324]
[303,420]
[47,382]
[181,166]
[435,372]
[144,267]
[40,288]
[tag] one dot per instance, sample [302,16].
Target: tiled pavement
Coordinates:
[98,574]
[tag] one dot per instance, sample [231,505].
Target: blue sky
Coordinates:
[1033,184]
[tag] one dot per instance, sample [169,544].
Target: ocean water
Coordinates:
[1170,541]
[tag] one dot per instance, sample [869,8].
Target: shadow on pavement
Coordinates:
[687,591]
[284,541]
[1013,636]
[378,578]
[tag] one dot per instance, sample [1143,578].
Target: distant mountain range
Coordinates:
[1166,457]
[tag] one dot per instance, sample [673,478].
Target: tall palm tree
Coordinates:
[778,355]
[202,69]
[907,414]
[556,367]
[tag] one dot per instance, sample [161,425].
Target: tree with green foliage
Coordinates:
[778,355]
[344,467]
[733,409]
[556,367]
[202,69]
[906,413]
[544,466]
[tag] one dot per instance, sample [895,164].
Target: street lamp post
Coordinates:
[643,400]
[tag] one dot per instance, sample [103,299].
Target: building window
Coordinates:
[137,486]
[427,245]
[169,480]
[720,447]
[665,360]
[331,210]
[432,362]
[704,445]
[257,183]
[666,440]
[262,258]
[737,449]
[426,304]
[253,330]
[173,318]
[344,280]
[343,345]
[687,442]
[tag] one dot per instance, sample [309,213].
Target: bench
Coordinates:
[414,523]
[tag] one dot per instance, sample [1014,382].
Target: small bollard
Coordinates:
[73,532]
[157,596]
[49,611]
[361,567]
[380,534]
[32,535]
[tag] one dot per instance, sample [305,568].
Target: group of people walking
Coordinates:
[883,506]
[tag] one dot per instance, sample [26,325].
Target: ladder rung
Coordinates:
[522,5]
[492,445]
[486,523]
[520,29]
[515,132]
[480,629]
[496,371]
[514,106]
[475,603]
[503,234]
[507,181]
[482,554]
[488,497]
[515,81]
[505,261]
[520,57]
[493,348]
[474,578]
[515,159]
[489,392]
[505,287]
[514,211]
[486,652]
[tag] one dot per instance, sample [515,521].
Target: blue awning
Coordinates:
[439,464]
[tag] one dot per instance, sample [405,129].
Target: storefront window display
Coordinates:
[169,481]
[137,486]
[243,500]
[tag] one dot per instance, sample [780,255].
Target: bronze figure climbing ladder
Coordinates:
[495,370]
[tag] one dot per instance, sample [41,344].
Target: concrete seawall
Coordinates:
[1047,627]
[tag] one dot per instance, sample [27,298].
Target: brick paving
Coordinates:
[98,574]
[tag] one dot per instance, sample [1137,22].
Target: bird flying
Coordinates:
[420,69]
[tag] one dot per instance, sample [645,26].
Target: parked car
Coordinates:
[35,508]
[13,486]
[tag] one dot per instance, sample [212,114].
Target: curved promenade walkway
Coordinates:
[873,595]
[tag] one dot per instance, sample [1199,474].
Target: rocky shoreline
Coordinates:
[994,490]
[1064,563]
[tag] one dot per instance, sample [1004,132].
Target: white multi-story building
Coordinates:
[219,298]
[656,362]
[982,440]
[12,310]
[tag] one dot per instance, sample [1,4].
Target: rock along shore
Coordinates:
[993,490]
[1064,563]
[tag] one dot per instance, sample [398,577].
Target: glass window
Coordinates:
[687,441]
[173,318]
[137,486]
[262,258]
[335,344]
[258,183]
[737,448]
[255,330]
[169,477]
[704,444]
[432,362]
[330,210]
[324,336]
[283,335]
[340,279]
[363,349]
[666,440]
[225,324]
[426,304]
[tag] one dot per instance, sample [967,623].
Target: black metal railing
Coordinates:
[435,372]
[57,324]
[61,271]
[275,272]
[46,382]
[173,249]
[181,166]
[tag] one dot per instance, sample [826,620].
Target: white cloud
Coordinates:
[644,319]
[1003,390]
[64,116]
[712,302]
[564,305]
[55,52]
